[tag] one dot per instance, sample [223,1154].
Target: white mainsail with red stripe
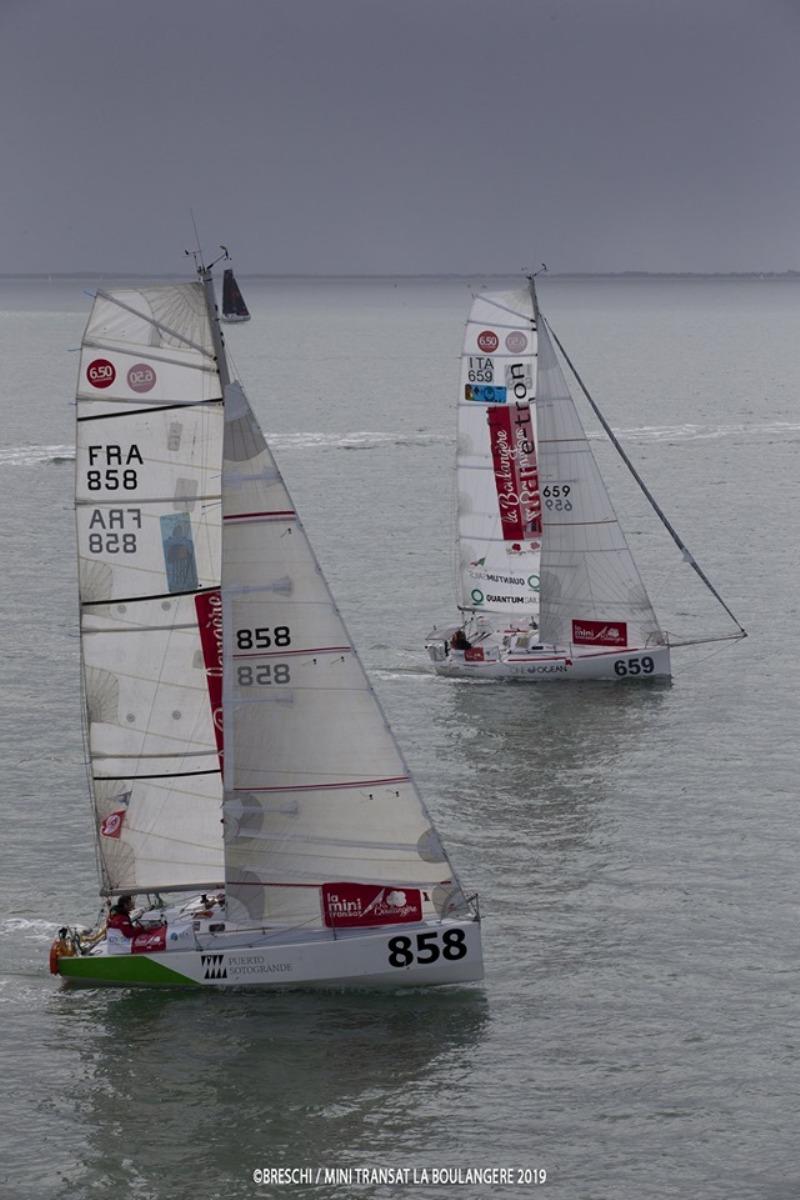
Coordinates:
[149,447]
[499,503]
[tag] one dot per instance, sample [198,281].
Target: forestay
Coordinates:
[149,446]
[592,593]
[323,825]
[499,506]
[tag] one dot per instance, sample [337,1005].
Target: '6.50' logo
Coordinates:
[101,373]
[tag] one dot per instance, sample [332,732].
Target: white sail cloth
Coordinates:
[591,591]
[316,790]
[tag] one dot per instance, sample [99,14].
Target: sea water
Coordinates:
[635,849]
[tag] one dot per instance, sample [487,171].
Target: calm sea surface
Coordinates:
[636,850]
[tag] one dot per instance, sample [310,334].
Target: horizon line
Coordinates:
[88,274]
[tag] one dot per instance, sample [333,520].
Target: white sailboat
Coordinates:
[548,587]
[246,787]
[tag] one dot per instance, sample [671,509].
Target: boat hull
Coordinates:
[553,665]
[419,955]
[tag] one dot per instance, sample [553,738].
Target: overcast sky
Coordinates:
[382,136]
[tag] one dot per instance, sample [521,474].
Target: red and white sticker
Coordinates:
[474,654]
[488,341]
[149,940]
[111,826]
[101,373]
[345,905]
[141,377]
[600,633]
[516,341]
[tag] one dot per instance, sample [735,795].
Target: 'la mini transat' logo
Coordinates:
[213,966]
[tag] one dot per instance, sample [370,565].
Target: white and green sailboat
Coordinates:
[247,790]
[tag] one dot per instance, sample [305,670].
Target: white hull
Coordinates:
[423,954]
[548,664]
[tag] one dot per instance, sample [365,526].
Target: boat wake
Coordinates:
[28,929]
[31,456]
[358,440]
[699,433]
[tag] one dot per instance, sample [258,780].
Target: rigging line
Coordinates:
[687,554]
[712,653]
[705,641]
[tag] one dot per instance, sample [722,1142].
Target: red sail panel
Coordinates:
[515,471]
[209,621]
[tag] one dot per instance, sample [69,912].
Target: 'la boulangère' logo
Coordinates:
[213,966]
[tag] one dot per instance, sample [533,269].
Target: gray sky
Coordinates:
[350,136]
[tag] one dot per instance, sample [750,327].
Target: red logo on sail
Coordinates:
[488,341]
[101,373]
[141,377]
[516,472]
[347,905]
[600,633]
[111,826]
[209,623]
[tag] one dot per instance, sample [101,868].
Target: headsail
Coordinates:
[323,823]
[149,446]
[499,508]
[592,593]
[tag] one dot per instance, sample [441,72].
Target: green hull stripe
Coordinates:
[121,969]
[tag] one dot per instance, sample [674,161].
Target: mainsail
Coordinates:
[233,305]
[592,593]
[499,503]
[149,447]
[320,809]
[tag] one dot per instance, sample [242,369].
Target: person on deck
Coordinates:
[459,641]
[119,917]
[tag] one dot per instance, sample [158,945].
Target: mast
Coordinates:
[217,337]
